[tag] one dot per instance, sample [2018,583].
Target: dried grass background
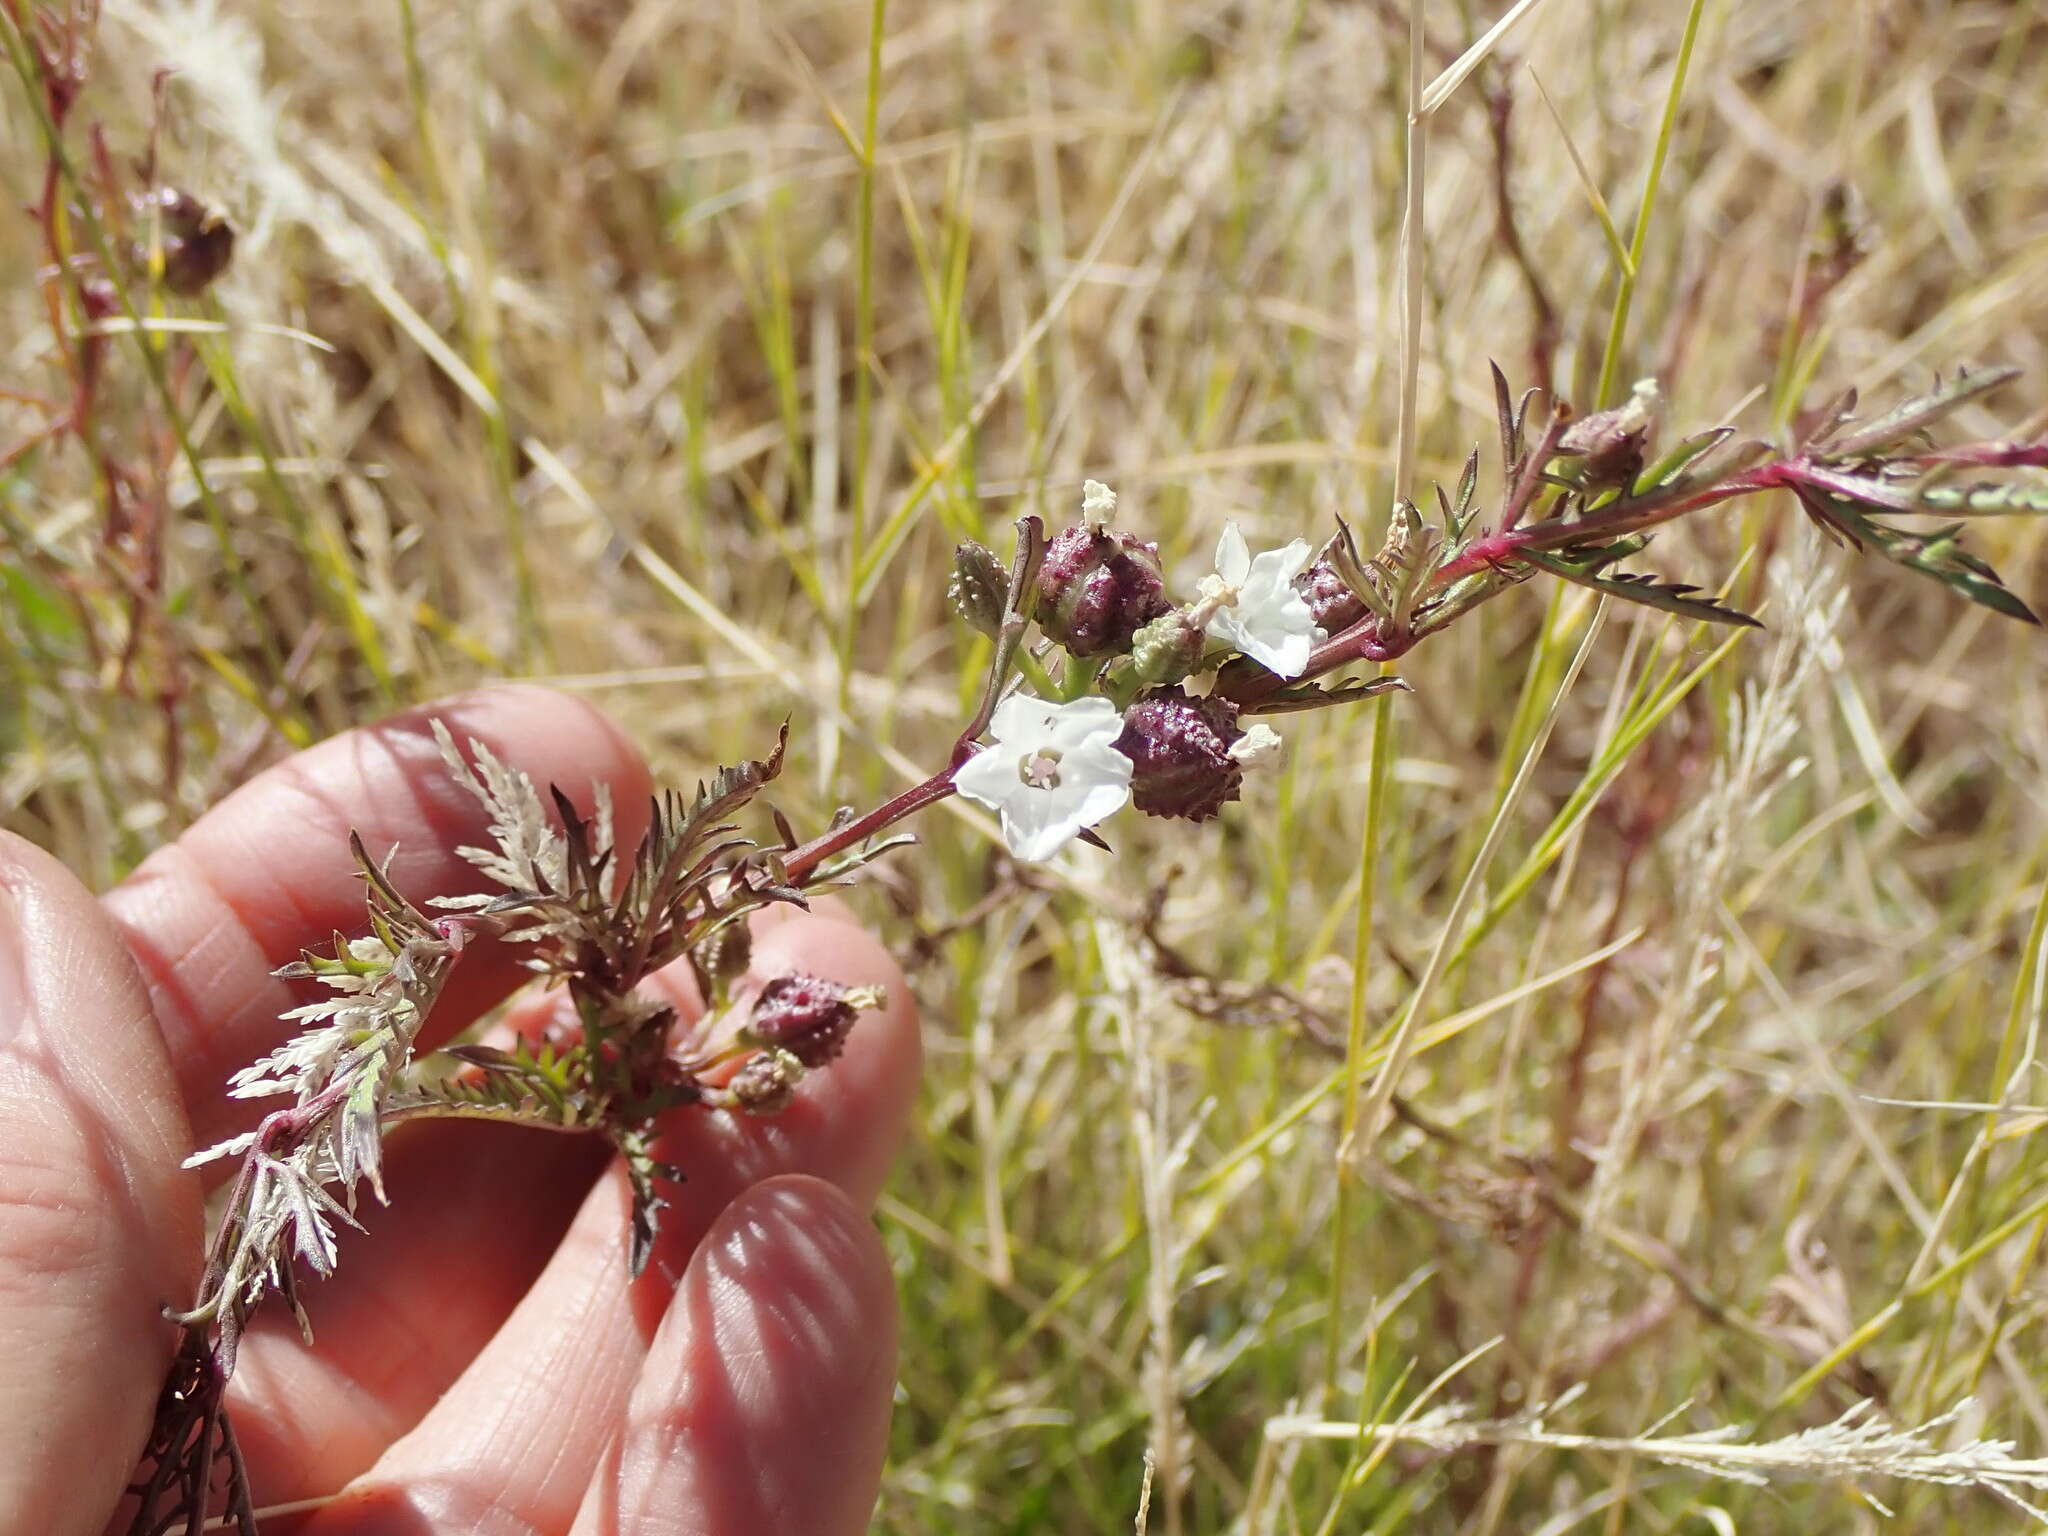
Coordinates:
[594,289]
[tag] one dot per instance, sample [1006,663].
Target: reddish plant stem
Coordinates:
[1366,640]
[1624,517]
[1543,325]
[1016,618]
[801,863]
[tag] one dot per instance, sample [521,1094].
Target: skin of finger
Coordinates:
[762,1408]
[268,873]
[99,1226]
[389,1340]
[514,1443]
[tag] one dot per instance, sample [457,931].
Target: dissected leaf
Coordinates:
[1308,696]
[1458,514]
[1682,455]
[1938,554]
[1910,416]
[1985,498]
[732,787]
[1816,426]
[644,1172]
[1360,576]
[1682,598]
[1407,559]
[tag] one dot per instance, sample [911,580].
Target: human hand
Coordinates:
[482,1362]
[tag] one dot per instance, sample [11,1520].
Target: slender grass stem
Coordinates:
[1372,838]
[1626,278]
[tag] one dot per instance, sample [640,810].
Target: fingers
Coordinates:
[476,1209]
[517,1439]
[763,1406]
[268,872]
[99,1227]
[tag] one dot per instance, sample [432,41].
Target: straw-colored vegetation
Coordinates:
[662,350]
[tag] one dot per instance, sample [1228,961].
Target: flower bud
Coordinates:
[1179,749]
[721,959]
[765,1084]
[1168,649]
[1609,443]
[980,588]
[1096,589]
[197,242]
[808,1016]
[1329,597]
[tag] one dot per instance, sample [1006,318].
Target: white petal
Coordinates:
[1284,653]
[1288,561]
[1022,720]
[1098,501]
[1097,764]
[1276,628]
[1260,743]
[1233,559]
[990,776]
[1033,827]
[1102,799]
[1039,823]
[1083,720]
[1034,844]
[1223,625]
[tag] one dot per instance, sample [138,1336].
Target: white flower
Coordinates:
[1257,611]
[1051,770]
[1098,503]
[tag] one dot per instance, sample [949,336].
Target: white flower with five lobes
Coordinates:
[1051,771]
[1254,607]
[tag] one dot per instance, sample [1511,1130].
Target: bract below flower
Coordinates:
[1258,611]
[1051,770]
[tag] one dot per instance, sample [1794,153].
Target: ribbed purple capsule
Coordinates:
[1179,749]
[1096,589]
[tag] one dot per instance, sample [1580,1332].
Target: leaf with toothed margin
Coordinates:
[1458,514]
[1982,498]
[1307,696]
[1679,597]
[1910,416]
[1939,554]
[644,1171]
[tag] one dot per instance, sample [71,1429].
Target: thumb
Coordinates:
[99,1227]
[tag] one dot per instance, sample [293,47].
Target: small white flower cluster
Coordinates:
[1053,770]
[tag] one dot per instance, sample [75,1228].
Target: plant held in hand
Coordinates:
[1102,690]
